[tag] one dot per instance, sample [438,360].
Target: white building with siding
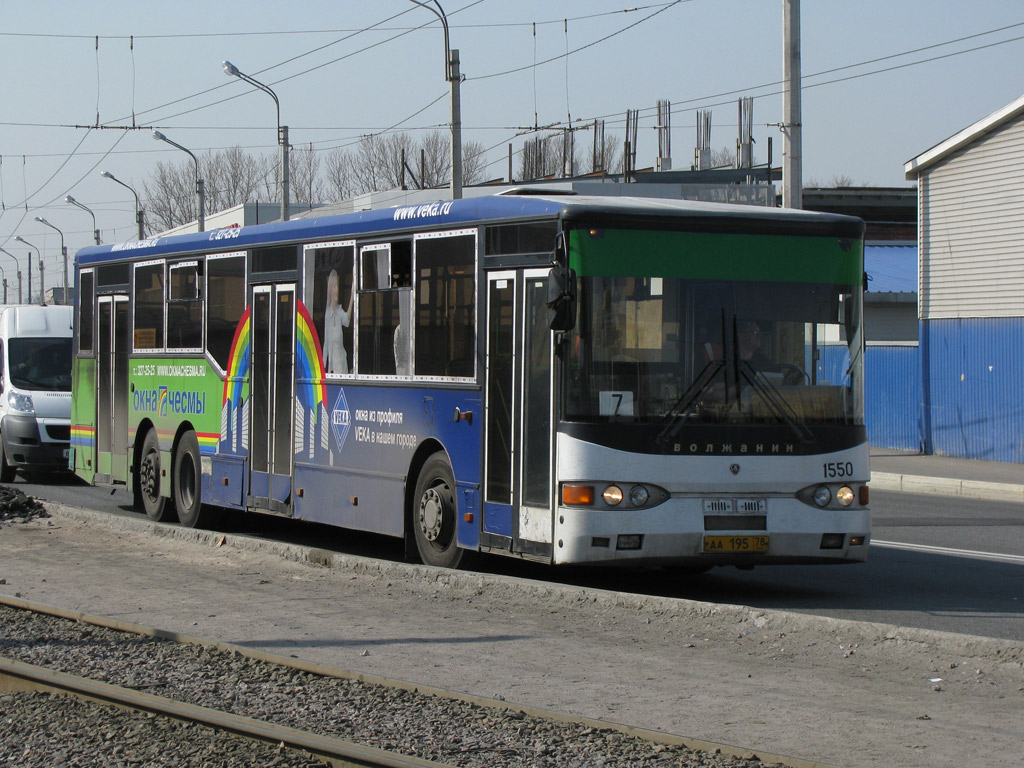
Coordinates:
[971,288]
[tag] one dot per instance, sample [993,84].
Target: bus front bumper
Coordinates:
[678,533]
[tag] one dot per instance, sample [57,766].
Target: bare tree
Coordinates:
[340,181]
[609,157]
[169,196]
[307,184]
[474,162]
[231,177]
[234,176]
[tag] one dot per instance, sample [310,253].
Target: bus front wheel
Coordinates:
[434,514]
[147,480]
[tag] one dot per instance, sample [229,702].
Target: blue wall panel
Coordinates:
[892,397]
[892,392]
[973,383]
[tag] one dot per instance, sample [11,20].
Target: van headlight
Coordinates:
[20,402]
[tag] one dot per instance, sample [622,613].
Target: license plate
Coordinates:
[735,543]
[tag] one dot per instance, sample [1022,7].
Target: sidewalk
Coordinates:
[917,473]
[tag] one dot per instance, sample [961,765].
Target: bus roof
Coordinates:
[467,212]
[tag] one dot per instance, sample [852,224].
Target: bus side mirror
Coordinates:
[562,298]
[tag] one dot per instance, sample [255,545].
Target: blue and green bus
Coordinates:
[557,378]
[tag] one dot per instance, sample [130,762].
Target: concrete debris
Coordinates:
[16,507]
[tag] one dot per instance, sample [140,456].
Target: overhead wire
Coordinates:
[660,9]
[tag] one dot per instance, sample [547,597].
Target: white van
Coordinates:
[35,388]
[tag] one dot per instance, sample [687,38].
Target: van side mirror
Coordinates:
[562,298]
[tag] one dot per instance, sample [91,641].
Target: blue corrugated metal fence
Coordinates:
[892,391]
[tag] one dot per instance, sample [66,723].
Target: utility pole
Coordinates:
[456,78]
[792,152]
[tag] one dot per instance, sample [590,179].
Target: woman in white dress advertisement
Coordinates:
[335,319]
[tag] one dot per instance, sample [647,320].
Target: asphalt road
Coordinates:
[942,563]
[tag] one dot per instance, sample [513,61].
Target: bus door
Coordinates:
[518,436]
[112,389]
[272,343]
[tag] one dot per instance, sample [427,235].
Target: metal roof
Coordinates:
[913,168]
[891,268]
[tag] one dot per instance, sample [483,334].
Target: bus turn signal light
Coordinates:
[577,495]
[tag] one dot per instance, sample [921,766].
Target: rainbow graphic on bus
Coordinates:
[83,436]
[238,361]
[309,362]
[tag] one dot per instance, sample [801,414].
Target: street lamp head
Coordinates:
[107,175]
[20,239]
[230,69]
[158,136]
[70,199]
[41,220]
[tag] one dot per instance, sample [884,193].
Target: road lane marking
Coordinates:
[972,553]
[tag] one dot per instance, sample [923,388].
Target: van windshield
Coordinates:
[40,364]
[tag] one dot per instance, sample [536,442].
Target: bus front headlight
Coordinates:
[612,495]
[638,496]
[845,495]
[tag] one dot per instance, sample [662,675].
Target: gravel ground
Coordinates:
[42,730]
[430,727]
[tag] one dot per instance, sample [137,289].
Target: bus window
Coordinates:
[329,293]
[445,319]
[149,305]
[225,303]
[184,306]
[86,288]
[384,275]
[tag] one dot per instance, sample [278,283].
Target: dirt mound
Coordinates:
[16,507]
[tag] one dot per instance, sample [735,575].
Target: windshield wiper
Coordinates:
[680,412]
[770,395]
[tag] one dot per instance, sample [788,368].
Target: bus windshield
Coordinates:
[763,335]
[40,363]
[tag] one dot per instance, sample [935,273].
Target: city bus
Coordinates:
[558,378]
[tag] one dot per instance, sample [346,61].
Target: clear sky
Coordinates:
[882,82]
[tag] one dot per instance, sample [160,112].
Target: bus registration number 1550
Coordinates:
[735,543]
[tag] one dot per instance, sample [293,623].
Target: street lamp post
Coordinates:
[140,215]
[3,250]
[63,253]
[95,231]
[4,273]
[282,130]
[200,184]
[20,239]
[454,77]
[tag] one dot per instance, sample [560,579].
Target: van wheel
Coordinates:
[147,480]
[6,470]
[434,515]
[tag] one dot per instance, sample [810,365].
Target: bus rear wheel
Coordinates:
[188,483]
[147,480]
[434,515]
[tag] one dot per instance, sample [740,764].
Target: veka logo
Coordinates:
[162,401]
[341,419]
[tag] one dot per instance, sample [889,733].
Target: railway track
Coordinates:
[302,748]
[310,714]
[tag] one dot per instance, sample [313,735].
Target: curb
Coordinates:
[753,619]
[947,486]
